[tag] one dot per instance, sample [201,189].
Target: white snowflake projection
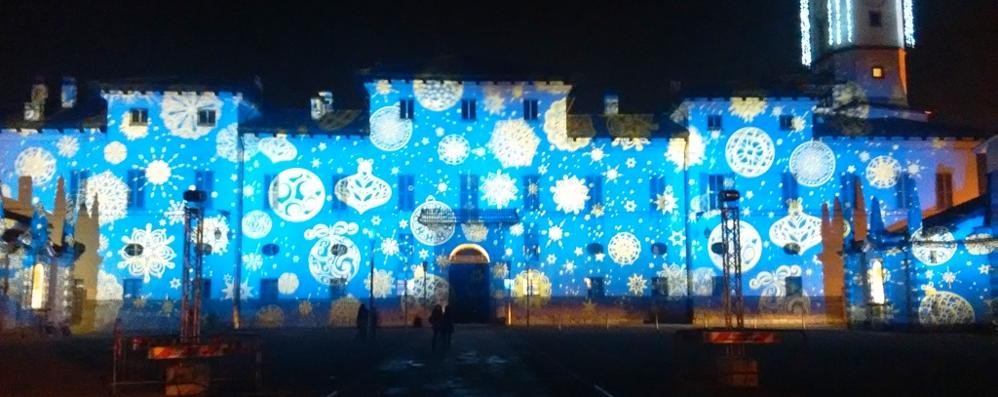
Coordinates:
[751,246]
[933,246]
[516,230]
[747,108]
[703,281]
[796,228]
[383,283]
[180,113]
[773,286]
[980,244]
[297,195]
[229,291]
[333,256]
[945,308]
[115,152]
[686,152]
[597,154]
[390,132]
[453,149]
[390,247]
[426,290]
[37,163]
[384,87]
[277,148]
[798,124]
[675,275]
[227,144]
[132,131]
[68,146]
[147,253]
[475,232]
[363,191]
[160,172]
[570,194]
[499,189]
[531,287]
[252,261]
[883,172]
[624,248]
[556,233]
[636,144]
[270,316]
[216,234]
[636,284]
[257,224]
[437,95]
[111,194]
[495,101]
[174,212]
[555,126]
[666,201]
[108,287]
[287,283]
[812,163]
[750,152]
[514,143]
[436,225]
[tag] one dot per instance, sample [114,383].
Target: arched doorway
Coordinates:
[469,284]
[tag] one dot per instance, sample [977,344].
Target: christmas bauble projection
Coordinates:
[363,191]
[432,222]
[751,246]
[334,256]
[297,195]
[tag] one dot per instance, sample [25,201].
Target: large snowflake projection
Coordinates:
[287,283]
[270,316]
[980,244]
[37,163]
[333,256]
[750,152]
[147,253]
[390,247]
[383,283]
[751,246]
[796,228]
[297,195]
[703,281]
[363,191]
[257,224]
[624,248]
[227,144]
[666,201]
[216,234]
[499,189]
[437,95]
[747,108]
[531,288]
[115,152]
[475,232]
[68,146]
[343,312]
[180,113]
[945,308]
[883,172]
[514,143]
[933,246]
[108,287]
[495,101]
[686,152]
[570,194]
[556,128]
[426,290]
[111,194]
[132,131]
[773,286]
[453,149]
[636,284]
[229,291]
[676,277]
[812,163]
[432,222]
[277,148]
[389,132]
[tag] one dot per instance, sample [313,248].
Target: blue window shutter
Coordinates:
[595,184]
[267,179]
[790,188]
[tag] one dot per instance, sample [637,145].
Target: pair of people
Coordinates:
[443,326]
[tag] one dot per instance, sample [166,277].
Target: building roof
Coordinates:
[646,125]
[846,126]
[958,213]
[336,122]
[89,112]
[459,68]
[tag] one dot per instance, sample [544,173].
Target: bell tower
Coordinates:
[863,42]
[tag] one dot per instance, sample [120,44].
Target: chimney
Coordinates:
[611,104]
[68,92]
[321,104]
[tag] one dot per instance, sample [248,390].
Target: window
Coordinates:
[268,290]
[469,192]
[595,184]
[595,287]
[132,288]
[656,187]
[876,20]
[790,188]
[337,203]
[531,245]
[407,192]
[877,72]
[407,109]
[269,193]
[900,192]
[714,122]
[138,116]
[206,118]
[530,111]
[944,189]
[531,191]
[711,187]
[206,289]
[205,181]
[136,189]
[786,122]
[468,109]
[794,286]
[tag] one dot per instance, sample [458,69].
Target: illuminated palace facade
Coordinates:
[497,198]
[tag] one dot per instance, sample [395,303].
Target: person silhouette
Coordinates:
[437,322]
[448,326]
[362,314]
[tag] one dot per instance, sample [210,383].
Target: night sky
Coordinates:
[634,49]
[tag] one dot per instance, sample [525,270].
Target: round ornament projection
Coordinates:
[437,95]
[883,172]
[383,283]
[158,172]
[115,152]
[37,163]
[180,113]
[437,224]
[556,128]
[980,244]
[216,234]
[453,149]
[427,290]
[227,144]
[256,224]
[933,246]
[333,256]
[531,288]
[389,132]
[750,152]
[751,246]
[624,248]
[570,194]
[499,189]
[514,143]
[343,312]
[812,163]
[945,308]
[287,284]
[297,195]
[278,149]
[796,228]
[147,253]
[110,194]
[363,191]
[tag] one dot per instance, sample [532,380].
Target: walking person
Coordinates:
[362,314]
[448,326]
[437,322]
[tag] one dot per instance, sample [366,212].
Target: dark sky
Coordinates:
[634,49]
